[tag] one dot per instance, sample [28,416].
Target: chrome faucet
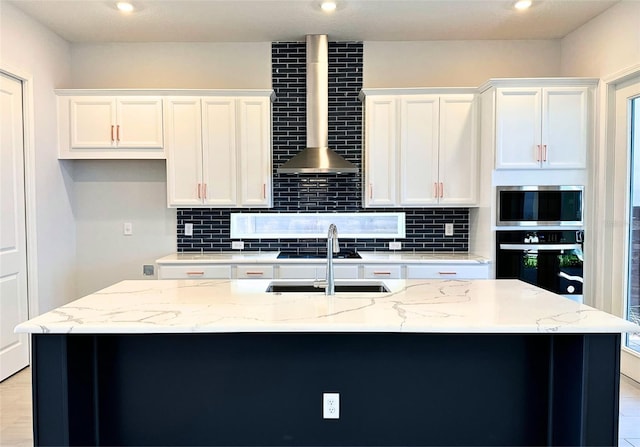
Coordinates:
[333,246]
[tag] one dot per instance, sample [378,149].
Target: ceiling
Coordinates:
[290,20]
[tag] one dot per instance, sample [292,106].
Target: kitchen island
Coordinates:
[440,362]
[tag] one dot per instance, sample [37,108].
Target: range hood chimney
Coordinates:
[317,157]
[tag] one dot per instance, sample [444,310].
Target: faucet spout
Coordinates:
[333,246]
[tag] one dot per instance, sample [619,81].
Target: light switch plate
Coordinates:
[395,245]
[127,229]
[237,245]
[188,229]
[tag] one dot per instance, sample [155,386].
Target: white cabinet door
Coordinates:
[518,128]
[184,151]
[254,271]
[139,122]
[418,154]
[448,271]
[194,271]
[219,161]
[542,128]
[564,127]
[380,154]
[458,151]
[110,122]
[92,122]
[255,152]
[391,271]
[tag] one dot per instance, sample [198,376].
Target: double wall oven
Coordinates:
[540,237]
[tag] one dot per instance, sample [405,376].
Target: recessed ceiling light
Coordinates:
[124,6]
[521,5]
[328,6]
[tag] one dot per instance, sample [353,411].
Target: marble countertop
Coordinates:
[248,257]
[418,306]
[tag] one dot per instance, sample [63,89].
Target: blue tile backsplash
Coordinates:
[320,192]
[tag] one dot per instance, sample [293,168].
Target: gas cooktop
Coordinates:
[298,255]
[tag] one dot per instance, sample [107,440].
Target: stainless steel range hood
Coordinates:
[317,157]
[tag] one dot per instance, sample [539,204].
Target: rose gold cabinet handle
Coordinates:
[435,190]
[112,140]
[371,190]
[441,189]
[382,273]
[199,194]
[118,133]
[195,273]
[204,190]
[544,152]
[447,273]
[255,273]
[538,152]
[264,190]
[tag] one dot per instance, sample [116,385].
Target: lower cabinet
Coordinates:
[317,271]
[197,271]
[447,271]
[254,271]
[381,271]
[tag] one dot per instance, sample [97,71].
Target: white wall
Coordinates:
[457,63]
[172,65]
[605,45]
[109,193]
[29,47]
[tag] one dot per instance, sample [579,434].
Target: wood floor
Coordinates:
[15,411]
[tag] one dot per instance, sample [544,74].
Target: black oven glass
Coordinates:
[540,206]
[552,260]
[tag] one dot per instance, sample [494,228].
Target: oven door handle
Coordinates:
[540,247]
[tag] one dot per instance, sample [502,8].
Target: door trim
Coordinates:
[29,183]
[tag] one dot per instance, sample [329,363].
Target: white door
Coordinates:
[564,127]
[627,217]
[14,348]
[184,151]
[518,128]
[380,151]
[458,151]
[139,122]
[219,161]
[418,158]
[255,152]
[93,122]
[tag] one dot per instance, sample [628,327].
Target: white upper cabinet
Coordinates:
[542,127]
[431,160]
[380,153]
[96,126]
[218,151]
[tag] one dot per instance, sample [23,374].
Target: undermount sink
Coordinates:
[344,287]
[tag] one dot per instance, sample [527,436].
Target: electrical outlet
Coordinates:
[147,270]
[188,229]
[127,228]
[331,405]
[237,245]
[448,229]
[395,245]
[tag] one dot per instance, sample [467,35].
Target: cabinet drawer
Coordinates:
[448,271]
[254,271]
[194,272]
[383,271]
